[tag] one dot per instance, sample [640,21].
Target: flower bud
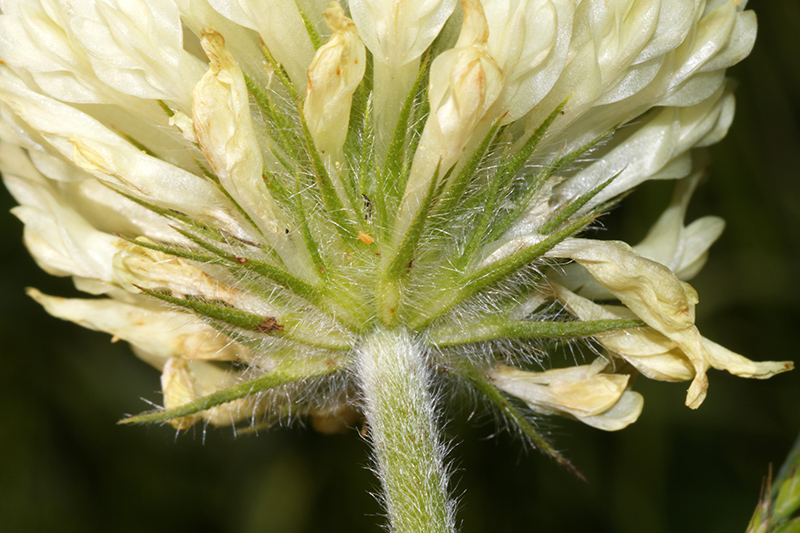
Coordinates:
[224,128]
[464,83]
[333,77]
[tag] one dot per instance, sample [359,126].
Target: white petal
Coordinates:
[723,359]
[61,241]
[279,24]
[529,39]
[32,40]
[177,384]
[582,392]
[160,332]
[107,156]
[137,48]
[622,414]
[681,248]
[399,31]
[639,155]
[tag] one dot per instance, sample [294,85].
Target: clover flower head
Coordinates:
[311,210]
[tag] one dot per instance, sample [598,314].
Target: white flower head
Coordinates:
[299,210]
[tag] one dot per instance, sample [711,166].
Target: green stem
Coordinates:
[400,413]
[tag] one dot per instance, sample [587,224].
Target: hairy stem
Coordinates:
[400,413]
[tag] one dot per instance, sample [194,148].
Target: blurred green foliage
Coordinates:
[65,466]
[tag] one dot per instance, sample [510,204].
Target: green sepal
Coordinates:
[350,185]
[532,186]
[310,29]
[235,317]
[792,526]
[462,287]
[339,304]
[330,340]
[168,110]
[278,275]
[571,208]
[366,154]
[484,385]
[465,176]
[240,209]
[139,145]
[183,254]
[499,328]
[282,76]
[404,255]
[330,198]
[500,184]
[780,499]
[506,267]
[488,197]
[515,163]
[275,118]
[786,489]
[283,326]
[390,285]
[285,374]
[393,171]
[276,187]
[305,230]
[206,172]
[575,154]
[164,212]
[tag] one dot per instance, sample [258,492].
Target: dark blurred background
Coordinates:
[66,466]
